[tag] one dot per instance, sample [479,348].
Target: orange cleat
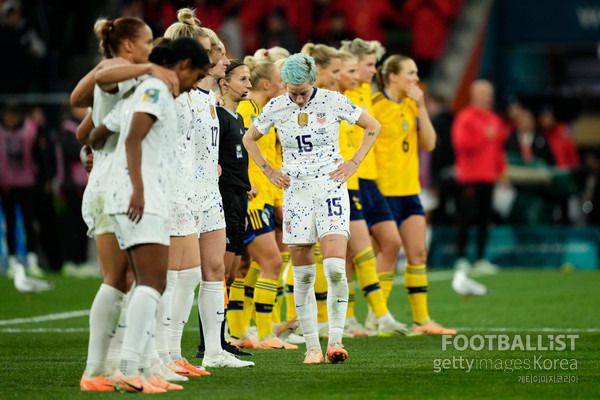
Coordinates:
[96,384]
[134,384]
[194,371]
[157,382]
[433,329]
[272,342]
[313,356]
[336,353]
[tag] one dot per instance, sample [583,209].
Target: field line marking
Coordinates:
[43,330]
[47,317]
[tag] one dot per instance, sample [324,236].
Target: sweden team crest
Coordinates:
[405,125]
[212,112]
[302,119]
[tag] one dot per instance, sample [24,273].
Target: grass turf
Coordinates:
[49,364]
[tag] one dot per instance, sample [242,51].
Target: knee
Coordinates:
[391,245]
[417,256]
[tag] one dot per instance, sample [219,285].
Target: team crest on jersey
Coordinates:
[321,117]
[266,215]
[151,96]
[405,125]
[302,119]
[213,114]
[288,226]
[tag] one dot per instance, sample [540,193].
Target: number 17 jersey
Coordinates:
[396,151]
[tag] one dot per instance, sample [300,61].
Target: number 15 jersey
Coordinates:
[309,135]
[396,151]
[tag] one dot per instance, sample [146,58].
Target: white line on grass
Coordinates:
[44,318]
[44,330]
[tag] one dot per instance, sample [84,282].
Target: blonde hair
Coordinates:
[273,54]
[187,25]
[392,65]
[259,70]
[279,63]
[361,48]
[345,56]
[320,52]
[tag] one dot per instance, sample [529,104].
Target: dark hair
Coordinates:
[170,52]
[112,33]
[229,71]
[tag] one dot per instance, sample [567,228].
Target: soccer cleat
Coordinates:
[371,321]
[178,370]
[336,353]
[163,372]
[225,360]
[134,384]
[394,329]
[283,327]
[314,355]
[353,328]
[195,371]
[96,384]
[432,329]
[230,348]
[160,383]
[272,342]
[291,337]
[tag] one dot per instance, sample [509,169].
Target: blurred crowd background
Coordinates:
[543,59]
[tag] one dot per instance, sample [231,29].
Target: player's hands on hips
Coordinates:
[414,92]
[87,158]
[278,179]
[344,171]
[252,193]
[135,211]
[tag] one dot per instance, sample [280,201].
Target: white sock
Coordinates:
[306,303]
[114,350]
[140,319]
[182,301]
[337,296]
[103,314]
[211,303]
[163,317]
[149,356]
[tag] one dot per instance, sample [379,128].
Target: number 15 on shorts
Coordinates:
[334,206]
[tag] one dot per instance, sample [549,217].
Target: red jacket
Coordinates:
[478,158]
[563,146]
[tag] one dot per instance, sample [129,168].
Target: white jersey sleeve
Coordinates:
[112,121]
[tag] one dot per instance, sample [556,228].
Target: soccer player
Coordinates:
[137,198]
[405,123]
[260,239]
[315,204]
[377,213]
[125,41]
[360,253]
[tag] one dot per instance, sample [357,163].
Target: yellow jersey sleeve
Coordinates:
[249,110]
[347,150]
[396,150]
[361,97]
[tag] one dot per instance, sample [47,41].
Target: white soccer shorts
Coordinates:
[151,229]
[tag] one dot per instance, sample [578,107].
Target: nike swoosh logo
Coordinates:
[341,301]
[277,347]
[301,305]
[137,389]
[283,121]
[220,313]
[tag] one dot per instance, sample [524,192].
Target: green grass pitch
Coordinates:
[45,359]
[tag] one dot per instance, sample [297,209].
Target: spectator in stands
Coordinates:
[478,141]
[526,144]
[278,32]
[560,138]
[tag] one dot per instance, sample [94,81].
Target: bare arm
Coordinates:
[250,140]
[140,126]
[98,136]
[84,129]
[108,78]
[427,136]
[83,94]
[349,168]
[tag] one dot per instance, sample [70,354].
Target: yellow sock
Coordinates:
[290,305]
[265,293]
[415,281]
[320,286]
[249,283]
[235,309]
[285,256]
[386,281]
[364,264]
[351,295]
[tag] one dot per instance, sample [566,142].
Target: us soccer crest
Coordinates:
[321,117]
[302,119]
[212,112]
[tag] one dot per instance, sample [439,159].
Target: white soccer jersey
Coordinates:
[158,151]
[103,104]
[309,135]
[206,128]
[184,162]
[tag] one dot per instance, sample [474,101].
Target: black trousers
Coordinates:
[475,209]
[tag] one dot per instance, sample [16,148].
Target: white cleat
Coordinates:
[224,360]
[394,328]
[163,372]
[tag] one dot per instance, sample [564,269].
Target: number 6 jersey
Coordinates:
[396,151]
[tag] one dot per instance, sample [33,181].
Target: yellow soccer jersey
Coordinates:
[278,161]
[361,96]
[347,149]
[249,110]
[396,147]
